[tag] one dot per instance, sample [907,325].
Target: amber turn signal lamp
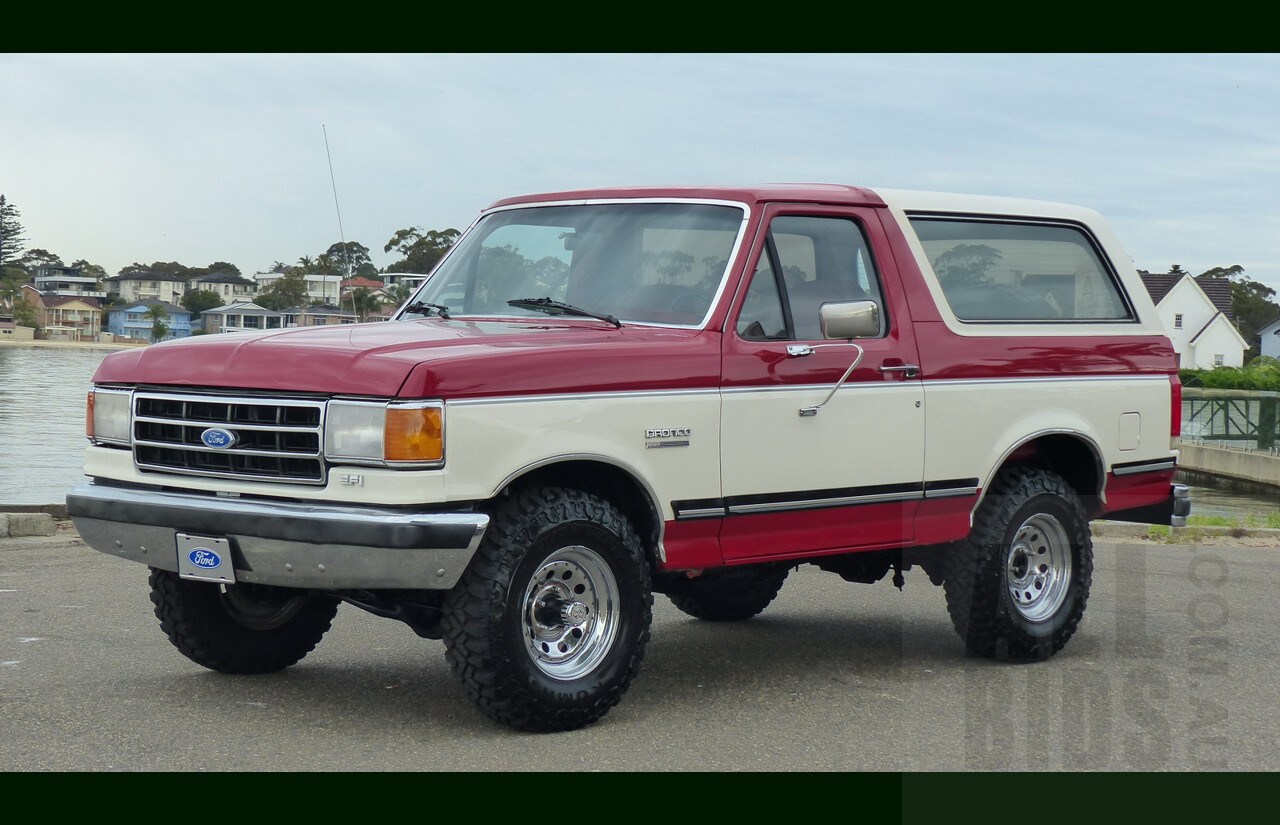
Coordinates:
[414,434]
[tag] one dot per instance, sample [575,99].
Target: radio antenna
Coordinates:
[341,236]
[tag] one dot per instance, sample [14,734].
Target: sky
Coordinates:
[259,158]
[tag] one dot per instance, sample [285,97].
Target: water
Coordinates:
[42,392]
[1207,501]
[42,396]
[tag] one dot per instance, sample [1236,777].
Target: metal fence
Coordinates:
[1240,418]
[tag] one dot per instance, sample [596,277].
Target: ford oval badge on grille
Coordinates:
[218,438]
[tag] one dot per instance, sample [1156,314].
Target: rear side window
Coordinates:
[1006,271]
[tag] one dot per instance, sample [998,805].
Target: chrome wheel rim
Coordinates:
[570,613]
[1038,568]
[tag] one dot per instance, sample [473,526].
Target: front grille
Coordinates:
[274,439]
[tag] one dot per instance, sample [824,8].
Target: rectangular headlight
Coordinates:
[390,433]
[108,416]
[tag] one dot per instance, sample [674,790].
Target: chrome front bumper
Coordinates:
[289,544]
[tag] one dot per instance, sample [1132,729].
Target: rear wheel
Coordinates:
[549,624]
[1016,588]
[239,628]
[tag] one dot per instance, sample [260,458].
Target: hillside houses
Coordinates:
[68,306]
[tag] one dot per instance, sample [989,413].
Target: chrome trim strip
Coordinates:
[311,481]
[1148,467]
[798,388]
[1046,379]
[821,503]
[704,512]
[200,448]
[954,492]
[583,396]
[194,424]
[253,400]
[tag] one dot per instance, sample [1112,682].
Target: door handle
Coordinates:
[907,370]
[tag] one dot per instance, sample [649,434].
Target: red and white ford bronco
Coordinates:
[598,395]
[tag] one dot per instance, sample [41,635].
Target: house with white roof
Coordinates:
[243,316]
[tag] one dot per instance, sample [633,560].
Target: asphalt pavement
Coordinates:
[1175,667]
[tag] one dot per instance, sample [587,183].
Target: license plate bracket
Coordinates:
[205,558]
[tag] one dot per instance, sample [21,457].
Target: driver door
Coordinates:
[800,475]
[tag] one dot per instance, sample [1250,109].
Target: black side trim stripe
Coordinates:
[688,509]
[1135,467]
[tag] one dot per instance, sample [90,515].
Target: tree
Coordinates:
[421,250]
[156,314]
[33,258]
[199,301]
[11,280]
[89,270]
[966,264]
[399,293]
[12,241]
[289,290]
[349,257]
[173,268]
[1251,304]
[24,314]
[223,268]
[364,303]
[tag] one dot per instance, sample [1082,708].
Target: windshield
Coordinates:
[658,263]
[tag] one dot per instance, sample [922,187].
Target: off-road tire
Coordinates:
[1016,588]
[548,625]
[726,595]
[239,628]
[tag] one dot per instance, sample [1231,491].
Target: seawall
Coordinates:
[1240,470]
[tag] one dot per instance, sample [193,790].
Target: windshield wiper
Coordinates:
[422,308]
[559,308]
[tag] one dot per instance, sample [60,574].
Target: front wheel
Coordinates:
[549,624]
[1016,587]
[239,628]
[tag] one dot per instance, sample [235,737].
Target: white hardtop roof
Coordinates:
[917,201]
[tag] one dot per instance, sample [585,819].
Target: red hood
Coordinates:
[429,358]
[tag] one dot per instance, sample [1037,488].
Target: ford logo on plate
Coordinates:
[218,438]
[204,557]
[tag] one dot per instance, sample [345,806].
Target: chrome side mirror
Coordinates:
[849,319]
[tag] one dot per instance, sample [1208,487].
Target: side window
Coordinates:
[808,261]
[1005,271]
[761,318]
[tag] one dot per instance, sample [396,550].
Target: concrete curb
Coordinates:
[17,525]
[1117,529]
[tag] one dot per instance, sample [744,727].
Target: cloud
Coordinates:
[196,158]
